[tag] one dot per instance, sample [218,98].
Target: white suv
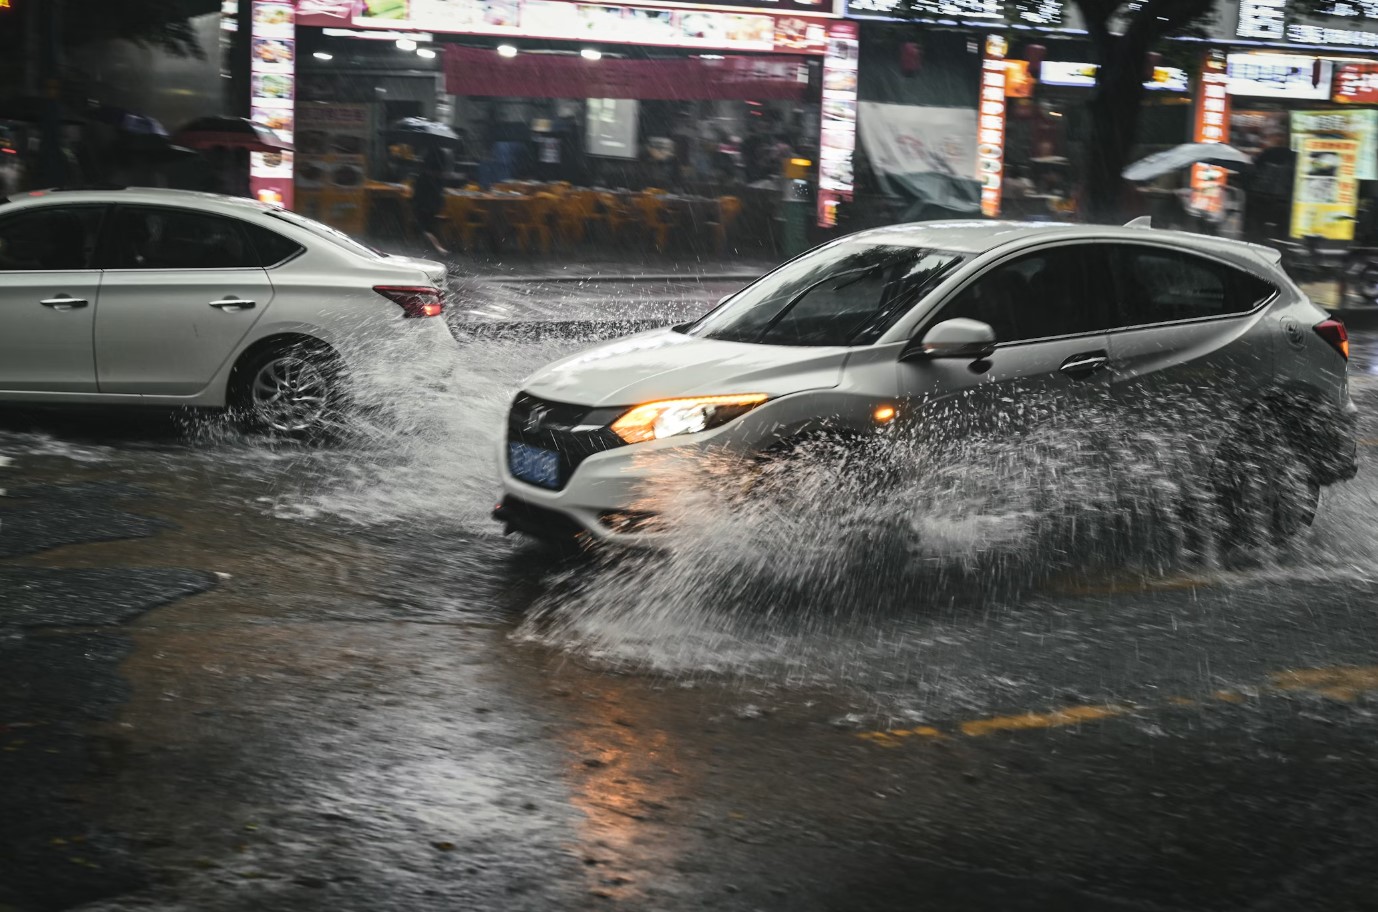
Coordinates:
[933,321]
[171,298]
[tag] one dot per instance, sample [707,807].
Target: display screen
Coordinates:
[1066,73]
[1278,76]
[611,127]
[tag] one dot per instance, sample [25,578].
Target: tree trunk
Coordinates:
[1114,123]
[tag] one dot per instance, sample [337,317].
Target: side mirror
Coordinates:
[956,338]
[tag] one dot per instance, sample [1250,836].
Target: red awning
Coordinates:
[472,71]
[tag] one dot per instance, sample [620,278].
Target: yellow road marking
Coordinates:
[1339,683]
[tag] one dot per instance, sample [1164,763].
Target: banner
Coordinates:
[1326,195]
[1212,125]
[273,71]
[837,140]
[472,71]
[927,154]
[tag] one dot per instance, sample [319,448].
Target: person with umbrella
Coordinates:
[428,196]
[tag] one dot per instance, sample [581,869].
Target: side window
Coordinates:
[1163,286]
[1057,292]
[271,247]
[58,238]
[156,238]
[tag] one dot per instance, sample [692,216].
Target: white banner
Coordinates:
[913,139]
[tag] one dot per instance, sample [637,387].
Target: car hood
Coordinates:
[664,364]
[434,271]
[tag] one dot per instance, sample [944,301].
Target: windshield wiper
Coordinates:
[860,273]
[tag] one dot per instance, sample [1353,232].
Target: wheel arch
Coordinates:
[234,383]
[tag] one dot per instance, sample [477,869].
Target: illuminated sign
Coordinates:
[990,125]
[1326,194]
[1356,83]
[1279,76]
[1318,34]
[1262,19]
[1063,73]
[837,137]
[1044,13]
[272,70]
[1212,125]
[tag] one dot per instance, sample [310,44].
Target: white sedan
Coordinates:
[171,298]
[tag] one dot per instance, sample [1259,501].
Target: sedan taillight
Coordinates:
[1334,332]
[415,300]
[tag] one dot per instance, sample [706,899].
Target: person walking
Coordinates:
[428,196]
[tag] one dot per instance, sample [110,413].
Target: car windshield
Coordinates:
[325,231]
[844,294]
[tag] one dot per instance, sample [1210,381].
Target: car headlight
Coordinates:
[671,417]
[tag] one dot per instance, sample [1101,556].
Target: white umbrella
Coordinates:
[1184,156]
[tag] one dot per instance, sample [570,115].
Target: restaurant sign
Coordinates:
[1326,194]
[272,96]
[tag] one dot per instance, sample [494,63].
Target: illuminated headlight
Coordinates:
[672,417]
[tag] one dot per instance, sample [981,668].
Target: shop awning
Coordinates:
[473,71]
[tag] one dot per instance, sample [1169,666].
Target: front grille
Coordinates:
[575,432]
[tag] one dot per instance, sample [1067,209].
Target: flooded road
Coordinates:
[245,674]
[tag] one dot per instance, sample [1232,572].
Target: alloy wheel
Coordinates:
[290,394]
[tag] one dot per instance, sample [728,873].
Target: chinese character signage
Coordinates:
[1360,125]
[272,71]
[990,125]
[1033,14]
[1264,20]
[1212,126]
[1356,83]
[1326,194]
[838,135]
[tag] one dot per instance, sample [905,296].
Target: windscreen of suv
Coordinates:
[844,294]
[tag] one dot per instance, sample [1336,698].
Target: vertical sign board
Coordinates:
[332,163]
[1212,125]
[272,75]
[990,125]
[837,140]
[1326,193]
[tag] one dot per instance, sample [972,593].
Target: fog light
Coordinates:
[884,414]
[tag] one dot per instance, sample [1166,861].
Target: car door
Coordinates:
[181,290]
[1049,309]
[1190,345]
[48,289]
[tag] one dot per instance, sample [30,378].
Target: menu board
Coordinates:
[1326,194]
[272,76]
[332,153]
[990,126]
[687,27]
[837,142]
[1262,19]
[1358,124]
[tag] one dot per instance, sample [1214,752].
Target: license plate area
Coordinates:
[534,465]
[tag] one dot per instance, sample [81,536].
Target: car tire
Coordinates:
[1265,492]
[291,389]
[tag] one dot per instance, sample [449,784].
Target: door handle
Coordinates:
[63,303]
[232,303]
[1084,364]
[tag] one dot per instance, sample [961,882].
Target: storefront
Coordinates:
[699,100]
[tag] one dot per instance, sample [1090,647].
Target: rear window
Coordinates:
[1164,286]
[325,232]
[273,249]
[843,294]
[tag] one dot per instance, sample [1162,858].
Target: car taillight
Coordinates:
[1334,332]
[415,300]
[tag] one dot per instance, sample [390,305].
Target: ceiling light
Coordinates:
[591,54]
[507,50]
[406,44]
[322,55]
[425,52]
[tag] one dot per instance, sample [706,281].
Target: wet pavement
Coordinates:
[239,674]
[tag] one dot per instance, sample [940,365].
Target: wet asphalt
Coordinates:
[239,674]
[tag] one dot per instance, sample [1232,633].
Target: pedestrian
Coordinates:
[428,196]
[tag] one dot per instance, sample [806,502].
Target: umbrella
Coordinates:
[128,122]
[1184,156]
[410,129]
[229,133]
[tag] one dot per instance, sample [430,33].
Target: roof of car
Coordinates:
[145,195]
[980,235]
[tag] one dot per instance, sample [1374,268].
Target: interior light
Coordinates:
[884,414]
[591,54]
[406,44]
[322,55]
[507,50]
[425,52]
